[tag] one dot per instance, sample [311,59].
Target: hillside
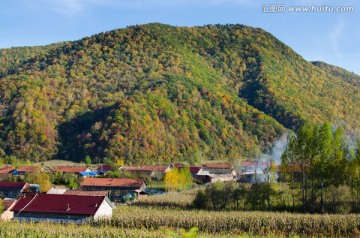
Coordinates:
[157,93]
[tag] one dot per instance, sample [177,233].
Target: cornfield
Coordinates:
[172,199]
[133,221]
[9,229]
[256,223]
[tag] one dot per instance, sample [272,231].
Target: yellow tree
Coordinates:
[42,179]
[171,180]
[1,206]
[178,179]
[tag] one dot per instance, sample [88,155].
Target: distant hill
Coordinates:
[156,93]
[351,78]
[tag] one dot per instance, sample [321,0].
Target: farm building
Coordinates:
[118,187]
[86,193]
[12,189]
[57,190]
[102,169]
[78,170]
[213,172]
[5,171]
[219,168]
[8,204]
[193,169]
[61,208]
[154,171]
[26,169]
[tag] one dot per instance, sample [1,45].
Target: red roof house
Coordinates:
[117,187]
[154,171]
[26,169]
[193,169]
[86,193]
[70,169]
[5,171]
[61,208]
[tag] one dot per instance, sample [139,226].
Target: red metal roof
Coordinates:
[218,165]
[112,182]
[59,203]
[193,169]
[12,185]
[7,203]
[104,167]
[29,169]
[248,163]
[69,169]
[146,168]
[86,193]
[5,170]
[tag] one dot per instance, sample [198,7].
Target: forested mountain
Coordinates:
[157,93]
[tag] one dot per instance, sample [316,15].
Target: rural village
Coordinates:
[97,193]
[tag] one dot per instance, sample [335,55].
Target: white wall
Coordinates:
[104,211]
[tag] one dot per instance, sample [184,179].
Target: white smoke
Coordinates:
[278,148]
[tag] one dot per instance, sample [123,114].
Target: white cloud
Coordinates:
[335,37]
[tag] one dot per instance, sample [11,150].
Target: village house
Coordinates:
[118,187]
[102,169]
[87,193]
[5,171]
[193,169]
[12,189]
[213,172]
[154,171]
[57,190]
[8,204]
[77,170]
[60,208]
[26,169]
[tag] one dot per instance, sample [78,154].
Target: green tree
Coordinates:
[354,176]
[87,161]
[201,200]
[320,156]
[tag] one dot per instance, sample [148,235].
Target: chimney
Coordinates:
[68,207]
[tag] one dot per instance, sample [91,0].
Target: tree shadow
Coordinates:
[75,133]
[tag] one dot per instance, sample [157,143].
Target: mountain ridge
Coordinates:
[157,93]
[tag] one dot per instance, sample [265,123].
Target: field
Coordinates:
[171,215]
[14,229]
[134,221]
[242,223]
[181,200]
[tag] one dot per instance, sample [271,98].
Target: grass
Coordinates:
[52,163]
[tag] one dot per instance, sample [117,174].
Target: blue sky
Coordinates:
[332,37]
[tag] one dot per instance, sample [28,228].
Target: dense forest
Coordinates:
[156,93]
